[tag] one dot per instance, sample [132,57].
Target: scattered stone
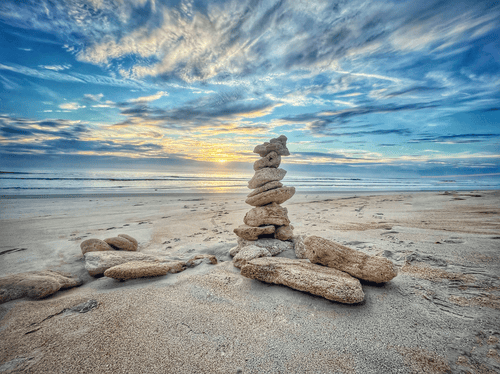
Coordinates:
[272,214]
[277,144]
[252,233]
[356,263]
[137,269]
[278,195]
[249,253]
[284,232]
[95,245]
[266,187]
[332,284]
[121,244]
[272,160]
[198,259]
[299,246]
[97,263]
[35,284]
[266,175]
[130,239]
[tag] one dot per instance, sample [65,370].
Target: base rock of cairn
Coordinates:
[268,219]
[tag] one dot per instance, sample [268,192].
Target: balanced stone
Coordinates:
[278,195]
[95,245]
[272,214]
[356,263]
[35,284]
[266,187]
[274,246]
[253,233]
[284,232]
[249,253]
[301,275]
[137,269]
[121,244]
[266,175]
[272,160]
[277,144]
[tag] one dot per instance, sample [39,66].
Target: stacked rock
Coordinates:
[268,218]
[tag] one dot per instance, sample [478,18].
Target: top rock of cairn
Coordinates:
[268,194]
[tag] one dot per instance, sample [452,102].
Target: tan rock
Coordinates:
[301,275]
[284,232]
[95,245]
[97,263]
[271,214]
[130,239]
[35,284]
[137,269]
[356,263]
[252,233]
[274,246]
[277,144]
[266,175]
[272,160]
[198,259]
[278,195]
[299,246]
[121,244]
[249,253]
[266,187]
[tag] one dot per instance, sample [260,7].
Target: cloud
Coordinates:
[91,97]
[146,99]
[71,106]
[55,67]
[455,139]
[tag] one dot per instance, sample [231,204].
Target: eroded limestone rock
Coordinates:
[35,284]
[272,214]
[301,275]
[274,246]
[198,259]
[95,245]
[121,243]
[137,269]
[277,144]
[130,239]
[253,233]
[97,263]
[266,187]
[271,160]
[266,175]
[299,246]
[284,232]
[249,253]
[358,264]
[278,195]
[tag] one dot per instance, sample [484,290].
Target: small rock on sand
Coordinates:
[249,253]
[252,233]
[198,259]
[130,239]
[122,243]
[358,264]
[301,275]
[272,214]
[277,195]
[35,284]
[97,263]
[95,245]
[137,269]
[266,175]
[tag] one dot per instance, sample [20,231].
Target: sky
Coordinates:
[358,87]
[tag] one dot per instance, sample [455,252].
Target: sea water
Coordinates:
[49,182]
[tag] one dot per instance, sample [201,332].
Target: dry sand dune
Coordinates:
[440,314]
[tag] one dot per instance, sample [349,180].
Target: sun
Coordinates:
[221,160]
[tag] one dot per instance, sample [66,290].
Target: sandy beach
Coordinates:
[441,314]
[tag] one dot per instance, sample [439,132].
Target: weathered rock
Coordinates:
[284,232]
[266,187]
[95,245]
[356,263]
[253,233]
[249,253]
[266,175]
[272,160]
[35,284]
[97,263]
[299,246]
[278,195]
[301,275]
[130,239]
[198,259]
[274,246]
[121,244]
[277,144]
[137,269]
[272,214]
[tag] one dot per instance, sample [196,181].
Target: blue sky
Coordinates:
[358,87]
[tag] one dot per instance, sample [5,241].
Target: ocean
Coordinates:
[69,182]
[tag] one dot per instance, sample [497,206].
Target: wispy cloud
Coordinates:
[71,106]
[147,99]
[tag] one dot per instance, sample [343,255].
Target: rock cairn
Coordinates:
[268,219]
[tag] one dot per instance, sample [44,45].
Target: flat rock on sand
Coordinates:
[301,275]
[97,263]
[121,243]
[252,233]
[272,160]
[266,187]
[249,253]
[95,245]
[272,214]
[35,284]
[130,239]
[266,175]
[138,269]
[277,195]
[274,246]
[358,264]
